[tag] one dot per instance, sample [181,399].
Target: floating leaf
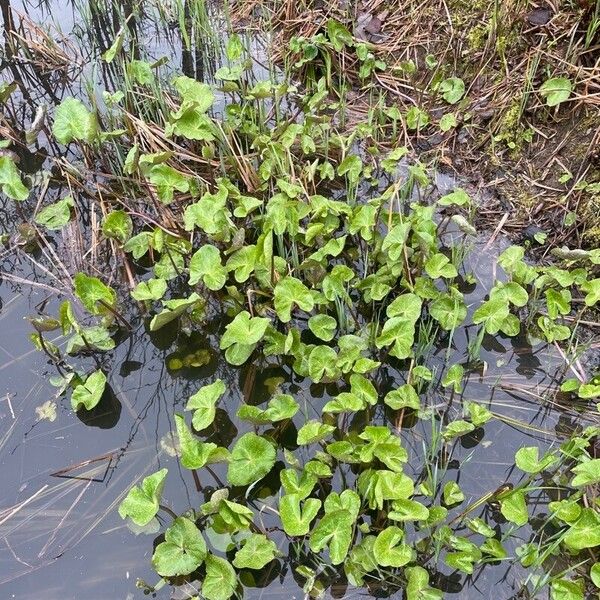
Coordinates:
[172,310]
[492,315]
[206,265]
[418,585]
[10,180]
[94,294]
[151,289]
[527,459]
[258,551]
[404,397]
[290,291]
[204,403]
[453,377]
[73,121]
[142,502]
[183,550]
[252,458]
[388,550]
[585,532]
[323,326]
[88,394]
[194,453]
[296,519]
[314,431]
[586,473]
[220,581]
[335,531]
[452,493]
[513,507]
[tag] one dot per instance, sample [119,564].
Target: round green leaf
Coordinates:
[252,458]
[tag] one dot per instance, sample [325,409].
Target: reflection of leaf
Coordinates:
[183,550]
[252,458]
[142,502]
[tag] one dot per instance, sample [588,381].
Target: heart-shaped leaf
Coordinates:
[334,530]
[296,518]
[388,550]
[142,502]
[88,394]
[204,403]
[183,550]
[258,551]
[57,215]
[10,180]
[206,265]
[290,291]
[73,121]
[220,580]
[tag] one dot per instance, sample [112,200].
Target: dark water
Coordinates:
[60,534]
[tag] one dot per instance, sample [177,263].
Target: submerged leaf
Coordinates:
[57,215]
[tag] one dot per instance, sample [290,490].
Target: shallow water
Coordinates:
[60,534]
